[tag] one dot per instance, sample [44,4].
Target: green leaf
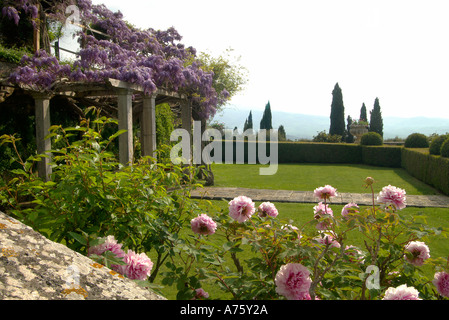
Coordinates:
[81,239]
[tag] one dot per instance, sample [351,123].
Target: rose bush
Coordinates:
[318,260]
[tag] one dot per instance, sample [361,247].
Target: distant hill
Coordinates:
[302,126]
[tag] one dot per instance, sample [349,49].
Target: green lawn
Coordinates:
[307,177]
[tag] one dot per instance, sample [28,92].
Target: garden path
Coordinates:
[293,196]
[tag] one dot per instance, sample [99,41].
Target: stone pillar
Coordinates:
[148,126]
[125,122]
[186,118]
[42,113]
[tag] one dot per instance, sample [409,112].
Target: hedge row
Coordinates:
[303,152]
[430,169]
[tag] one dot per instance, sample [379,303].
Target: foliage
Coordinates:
[416,140]
[371,139]
[337,117]
[144,206]
[436,143]
[445,148]
[11,54]
[363,116]
[322,136]
[164,124]
[282,135]
[248,122]
[376,122]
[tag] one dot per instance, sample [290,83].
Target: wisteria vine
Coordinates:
[151,58]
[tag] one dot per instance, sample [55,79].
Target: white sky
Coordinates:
[296,50]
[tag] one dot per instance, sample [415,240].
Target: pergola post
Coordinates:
[125,122]
[42,114]
[148,126]
[186,119]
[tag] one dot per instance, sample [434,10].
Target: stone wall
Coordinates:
[33,267]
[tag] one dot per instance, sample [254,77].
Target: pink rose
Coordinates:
[241,208]
[138,266]
[391,195]
[417,252]
[441,281]
[325,192]
[401,293]
[203,224]
[293,281]
[267,209]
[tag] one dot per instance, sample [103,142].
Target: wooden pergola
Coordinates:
[112,88]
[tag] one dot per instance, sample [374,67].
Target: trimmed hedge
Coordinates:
[299,152]
[430,169]
[306,152]
[382,156]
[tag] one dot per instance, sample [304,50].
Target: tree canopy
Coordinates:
[337,117]
[265,122]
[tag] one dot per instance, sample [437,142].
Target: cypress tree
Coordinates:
[363,115]
[376,122]
[265,122]
[337,113]
[282,136]
[250,120]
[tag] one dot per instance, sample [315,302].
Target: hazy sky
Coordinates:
[296,50]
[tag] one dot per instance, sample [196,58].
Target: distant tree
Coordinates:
[265,122]
[282,136]
[363,115]
[248,122]
[337,117]
[376,122]
[349,136]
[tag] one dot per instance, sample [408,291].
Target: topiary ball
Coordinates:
[371,139]
[416,140]
[445,148]
[435,145]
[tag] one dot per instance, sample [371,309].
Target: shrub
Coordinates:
[371,139]
[90,192]
[445,148]
[325,137]
[416,140]
[437,142]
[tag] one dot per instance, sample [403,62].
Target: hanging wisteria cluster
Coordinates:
[151,58]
